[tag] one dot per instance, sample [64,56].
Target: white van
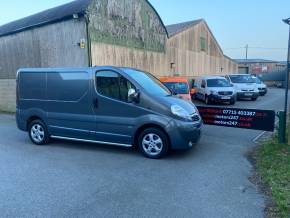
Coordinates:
[262,87]
[245,86]
[214,89]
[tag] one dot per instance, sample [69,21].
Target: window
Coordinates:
[67,86]
[242,79]
[177,87]
[112,85]
[148,82]
[218,83]
[32,85]
[203,44]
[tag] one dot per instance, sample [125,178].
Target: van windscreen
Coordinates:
[241,79]
[177,87]
[218,83]
[151,84]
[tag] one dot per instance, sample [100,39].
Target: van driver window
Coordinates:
[112,85]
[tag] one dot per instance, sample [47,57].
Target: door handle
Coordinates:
[96,103]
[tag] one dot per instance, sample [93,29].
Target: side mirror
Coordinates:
[133,95]
[232,85]
[192,91]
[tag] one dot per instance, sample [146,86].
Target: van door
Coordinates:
[68,105]
[116,117]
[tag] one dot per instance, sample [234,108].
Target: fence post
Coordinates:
[281,130]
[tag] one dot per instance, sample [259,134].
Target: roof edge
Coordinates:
[158,17]
[198,21]
[69,17]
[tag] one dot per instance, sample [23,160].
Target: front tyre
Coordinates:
[38,133]
[153,143]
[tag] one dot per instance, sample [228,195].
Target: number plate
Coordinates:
[248,94]
[226,98]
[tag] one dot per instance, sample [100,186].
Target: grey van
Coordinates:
[107,105]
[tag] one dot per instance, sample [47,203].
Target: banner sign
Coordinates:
[238,118]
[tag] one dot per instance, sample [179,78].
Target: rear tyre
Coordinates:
[153,143]
[38,133]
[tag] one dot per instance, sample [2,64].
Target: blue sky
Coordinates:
[234,23]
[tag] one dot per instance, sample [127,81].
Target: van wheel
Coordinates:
[153,143]
[38,133]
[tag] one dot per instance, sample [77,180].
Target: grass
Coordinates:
[273,164]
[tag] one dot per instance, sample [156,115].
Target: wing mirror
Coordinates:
[192,91]
[133,95]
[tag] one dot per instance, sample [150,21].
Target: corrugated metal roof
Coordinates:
[179,27]
[253,61]
[62,12]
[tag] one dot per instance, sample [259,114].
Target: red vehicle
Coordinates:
[178,86]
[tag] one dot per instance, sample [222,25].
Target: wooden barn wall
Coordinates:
[105,54]
[185,49]
[182,49]
[54,45]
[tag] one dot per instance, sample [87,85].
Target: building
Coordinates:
[260,66]
[195,51]
[106,32]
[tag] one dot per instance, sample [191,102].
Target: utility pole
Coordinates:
[287,21]
[247,48]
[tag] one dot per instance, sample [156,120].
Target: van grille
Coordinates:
[225,93]
[247,90]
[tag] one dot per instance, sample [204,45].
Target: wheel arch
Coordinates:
[146,126]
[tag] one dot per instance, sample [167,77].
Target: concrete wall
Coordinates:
[7,95]
[54,45]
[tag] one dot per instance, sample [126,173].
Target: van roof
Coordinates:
[212,77]
[179,79]
[73,69]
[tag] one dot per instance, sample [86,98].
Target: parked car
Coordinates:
[214,89]
[178,86]
[245,86]
[262,87]
[107,105]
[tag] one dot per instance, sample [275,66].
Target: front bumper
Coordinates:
[248,95]
[263,91]
[222,98]
[183,135]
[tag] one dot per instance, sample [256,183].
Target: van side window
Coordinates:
[112,85]
[61,86]
[32,85]
[203,84]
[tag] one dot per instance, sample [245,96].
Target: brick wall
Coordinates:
[7,95]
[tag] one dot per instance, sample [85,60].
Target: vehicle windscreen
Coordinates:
[218,83]
[242,79]
[151,84]
[177,87]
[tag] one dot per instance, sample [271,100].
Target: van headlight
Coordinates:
[180,112]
